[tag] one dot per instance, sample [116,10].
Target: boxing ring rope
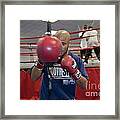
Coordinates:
[74,32]
[31,38]
[23,43]
[74,48]
[70,42]
[77,38]
[33,45]
[35,54]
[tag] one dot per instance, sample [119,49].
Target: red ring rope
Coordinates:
[72,49]
[74,32]
[77,38]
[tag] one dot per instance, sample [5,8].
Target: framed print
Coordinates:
[60,60]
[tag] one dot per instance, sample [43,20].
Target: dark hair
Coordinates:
[85,27]
[90,27]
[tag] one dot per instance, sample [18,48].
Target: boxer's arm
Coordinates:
[36,71]
[82,82]
[84,79]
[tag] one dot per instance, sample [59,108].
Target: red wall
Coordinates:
[93,86]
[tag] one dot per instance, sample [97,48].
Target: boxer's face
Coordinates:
[65,45]
[64,37]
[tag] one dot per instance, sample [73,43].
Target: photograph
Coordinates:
[59,59]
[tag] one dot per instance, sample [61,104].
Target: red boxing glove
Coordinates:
[69,64]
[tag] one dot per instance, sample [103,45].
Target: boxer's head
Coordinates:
[90,27]
[85,27]
[64,36]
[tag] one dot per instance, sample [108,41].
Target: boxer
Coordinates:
[66,71]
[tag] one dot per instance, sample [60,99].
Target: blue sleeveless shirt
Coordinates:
[58,85]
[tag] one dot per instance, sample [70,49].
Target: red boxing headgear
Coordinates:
[49,49]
